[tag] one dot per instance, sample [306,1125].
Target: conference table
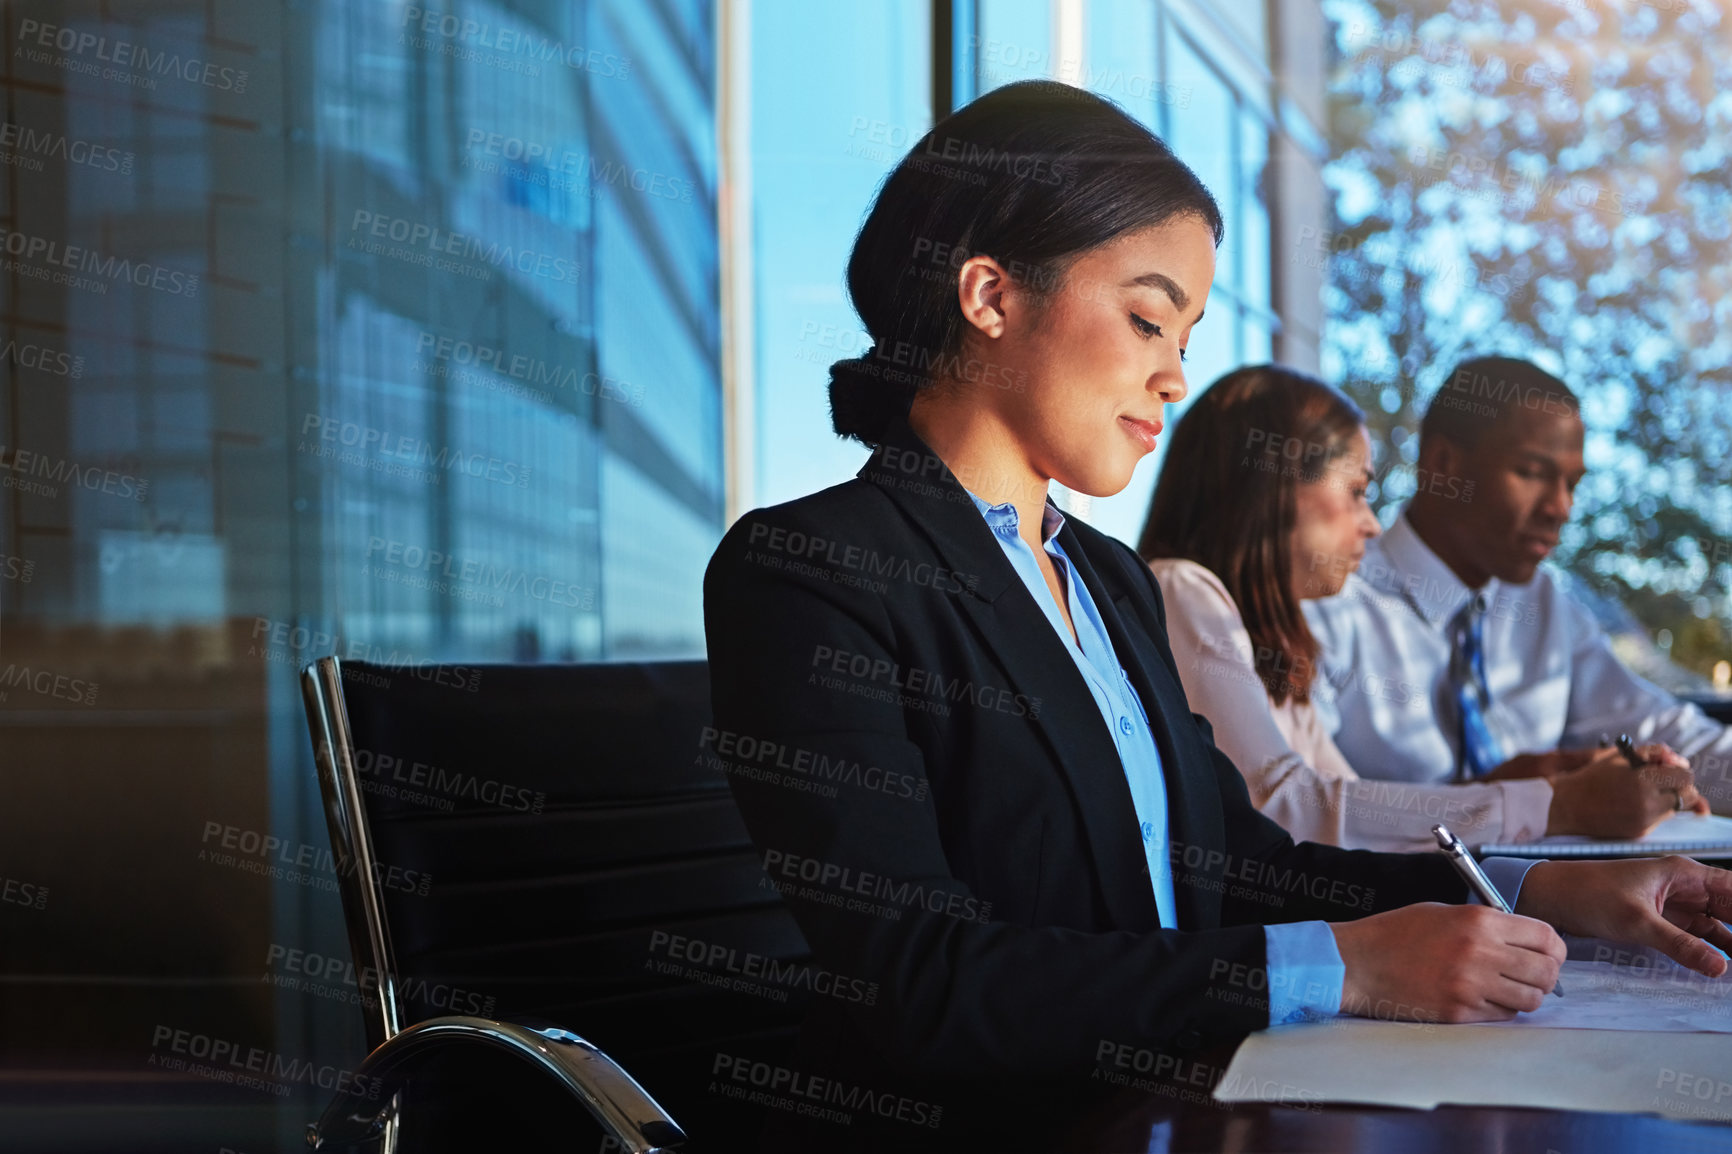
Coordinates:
[171,1118]
[1164,1128]
[1173,1119]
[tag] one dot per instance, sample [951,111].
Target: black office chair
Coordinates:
[512,844]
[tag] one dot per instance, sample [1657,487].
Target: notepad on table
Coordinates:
[1685,833]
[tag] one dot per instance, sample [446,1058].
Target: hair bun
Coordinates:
[862,403]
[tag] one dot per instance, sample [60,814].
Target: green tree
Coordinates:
[1549,179]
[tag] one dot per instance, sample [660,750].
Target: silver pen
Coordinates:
[1474,876]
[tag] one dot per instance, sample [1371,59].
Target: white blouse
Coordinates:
[1295,773]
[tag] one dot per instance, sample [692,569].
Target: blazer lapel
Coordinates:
[1012,626]
[1164,701]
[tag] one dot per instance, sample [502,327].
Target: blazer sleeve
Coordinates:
[1268,877]
[959,993]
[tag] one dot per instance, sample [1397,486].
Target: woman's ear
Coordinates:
[981,287]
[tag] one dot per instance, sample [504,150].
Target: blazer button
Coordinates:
[1188,1039]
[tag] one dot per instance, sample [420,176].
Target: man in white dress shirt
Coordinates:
[1451,649]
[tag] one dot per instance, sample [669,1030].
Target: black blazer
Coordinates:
[933,790]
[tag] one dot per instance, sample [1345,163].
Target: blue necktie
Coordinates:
[1480,752]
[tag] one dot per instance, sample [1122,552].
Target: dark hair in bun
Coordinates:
[862,402]
[1032,174]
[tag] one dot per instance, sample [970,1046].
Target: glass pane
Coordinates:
[1014,42]
[388,334]
[1491,206]
[1249,21]
[1123,63]
[1202,135]
[1221,42]
[1258,341]
[816,165]
[1253,222]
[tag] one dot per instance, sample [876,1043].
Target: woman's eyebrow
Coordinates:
[1166,284]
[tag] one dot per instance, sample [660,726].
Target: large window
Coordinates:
[371,328]
[412,332]
[1548,181]
[523,268]
[839,92]
[1202,81]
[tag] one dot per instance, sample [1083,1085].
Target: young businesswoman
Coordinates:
[958,736]
[1290,457]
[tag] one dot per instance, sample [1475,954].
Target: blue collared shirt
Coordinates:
[1306,972]
[1108,683]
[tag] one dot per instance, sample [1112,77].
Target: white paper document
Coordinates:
[1422,1066]
[1602,996]
[1623,1039]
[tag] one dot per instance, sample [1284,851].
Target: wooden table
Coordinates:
[1153,1124]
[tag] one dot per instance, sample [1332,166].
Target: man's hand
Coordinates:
[1608,797]
[1671,903]
[1547,765]
[1441,963]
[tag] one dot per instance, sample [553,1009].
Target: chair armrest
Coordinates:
[624,1109]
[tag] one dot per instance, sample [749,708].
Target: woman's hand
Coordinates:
[1443,963]
[1671,903]
[1608,797]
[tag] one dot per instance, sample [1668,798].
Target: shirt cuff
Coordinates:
[1306,973]
[1505,875]
[1527,809]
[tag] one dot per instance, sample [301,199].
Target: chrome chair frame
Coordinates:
[622,1107]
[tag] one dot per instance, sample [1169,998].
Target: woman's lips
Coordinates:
[1144,432]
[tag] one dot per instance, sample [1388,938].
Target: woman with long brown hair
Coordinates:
[1261,505]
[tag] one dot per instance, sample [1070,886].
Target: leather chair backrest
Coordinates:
[553,841]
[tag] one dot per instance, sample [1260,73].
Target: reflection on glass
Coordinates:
[329,328]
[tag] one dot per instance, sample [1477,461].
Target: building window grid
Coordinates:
[509,531]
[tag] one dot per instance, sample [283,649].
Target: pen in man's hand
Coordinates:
[1628,749]
[1625,747]
[1474,876]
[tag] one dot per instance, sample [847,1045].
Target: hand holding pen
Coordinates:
[1475,963]
[1605,799]
[1675,780]
[1451,847]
